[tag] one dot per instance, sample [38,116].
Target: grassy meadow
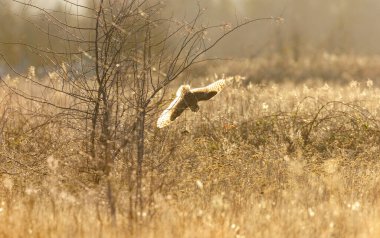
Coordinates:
[289,150]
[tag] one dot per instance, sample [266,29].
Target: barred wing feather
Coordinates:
[206,93]
[176,107]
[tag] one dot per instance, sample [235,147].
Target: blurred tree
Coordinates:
[335,26]
[9,32]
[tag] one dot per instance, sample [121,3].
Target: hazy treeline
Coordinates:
[337,26]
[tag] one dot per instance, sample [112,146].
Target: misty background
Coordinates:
[309,27]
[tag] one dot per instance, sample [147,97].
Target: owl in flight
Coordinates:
[186,97]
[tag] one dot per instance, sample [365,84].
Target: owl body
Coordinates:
[188,98]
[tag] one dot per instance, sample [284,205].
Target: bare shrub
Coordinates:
[108,64]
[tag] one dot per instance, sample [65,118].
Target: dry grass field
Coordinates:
[292,150]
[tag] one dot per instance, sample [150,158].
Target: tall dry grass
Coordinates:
[259,160]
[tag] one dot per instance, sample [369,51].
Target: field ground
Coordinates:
[290,151]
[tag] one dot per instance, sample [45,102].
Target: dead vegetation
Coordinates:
[273,160]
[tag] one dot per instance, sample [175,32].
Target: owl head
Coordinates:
[183,90]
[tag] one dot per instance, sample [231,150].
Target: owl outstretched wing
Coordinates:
[206,93]
[175,109]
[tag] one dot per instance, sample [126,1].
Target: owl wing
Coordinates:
[206,93]
[175,109]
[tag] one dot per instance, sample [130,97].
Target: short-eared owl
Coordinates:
[187,97]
